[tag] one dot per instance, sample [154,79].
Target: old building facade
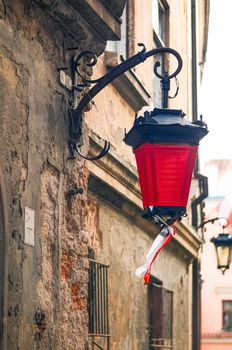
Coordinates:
[71,230]
[216,287]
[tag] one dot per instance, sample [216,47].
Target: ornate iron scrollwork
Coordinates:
[76,115]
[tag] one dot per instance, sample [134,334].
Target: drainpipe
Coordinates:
[203,181]
[196,305]
[203,186]
[194,61]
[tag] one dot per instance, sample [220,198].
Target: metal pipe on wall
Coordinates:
[195,275]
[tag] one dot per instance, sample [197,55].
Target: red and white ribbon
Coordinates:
[160,241]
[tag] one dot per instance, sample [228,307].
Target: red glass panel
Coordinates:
[165,173]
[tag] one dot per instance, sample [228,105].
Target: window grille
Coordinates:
[99,337]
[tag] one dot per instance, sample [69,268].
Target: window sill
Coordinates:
[217,337]
[128,84]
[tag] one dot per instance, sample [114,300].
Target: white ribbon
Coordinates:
[160,241]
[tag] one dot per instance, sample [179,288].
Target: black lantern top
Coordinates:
[223,240]
[165,125]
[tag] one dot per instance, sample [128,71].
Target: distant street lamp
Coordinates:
[223,246]
[164,142]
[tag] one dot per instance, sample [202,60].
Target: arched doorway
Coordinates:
[2,271]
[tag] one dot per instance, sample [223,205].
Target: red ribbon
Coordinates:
[147,275]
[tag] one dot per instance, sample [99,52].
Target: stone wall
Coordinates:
[46,285]
[46,298]
[119,242]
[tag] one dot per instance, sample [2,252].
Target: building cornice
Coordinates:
[102,18]
[89,22]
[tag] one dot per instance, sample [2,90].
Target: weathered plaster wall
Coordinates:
[47,284]
[110,116]
[119,242]
[50,279]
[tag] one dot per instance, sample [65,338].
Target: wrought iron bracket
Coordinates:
[162,223]
[212,221]
[80,81]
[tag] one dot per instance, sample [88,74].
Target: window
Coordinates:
[129,84]
[227,315]
[160,38]
[160,22]
[121,46]
[160,306]
[99,337]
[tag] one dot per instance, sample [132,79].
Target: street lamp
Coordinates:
[165,146]
[164,142]
[223,246]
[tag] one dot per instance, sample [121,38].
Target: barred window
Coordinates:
[99,336]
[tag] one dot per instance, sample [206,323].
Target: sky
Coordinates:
[216,89]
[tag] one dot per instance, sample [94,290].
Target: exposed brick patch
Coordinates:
[63,288]
[67,263]
[79,302]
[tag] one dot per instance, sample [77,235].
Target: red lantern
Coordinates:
[165,146]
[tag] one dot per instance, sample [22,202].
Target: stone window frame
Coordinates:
[160,39]
[128,84]
[121,46]
[160,22]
